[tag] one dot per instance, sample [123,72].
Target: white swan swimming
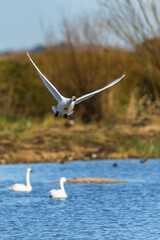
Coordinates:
[20,187]
[60,193]
[66,105]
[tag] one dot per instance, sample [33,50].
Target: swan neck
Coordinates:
[28,179]
[62,186]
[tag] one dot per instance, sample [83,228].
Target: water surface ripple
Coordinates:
[114,211]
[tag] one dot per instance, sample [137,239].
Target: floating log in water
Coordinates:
[93,180]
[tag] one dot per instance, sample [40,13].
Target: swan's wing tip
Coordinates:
[28,54]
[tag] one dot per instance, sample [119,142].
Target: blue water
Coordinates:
[115,211]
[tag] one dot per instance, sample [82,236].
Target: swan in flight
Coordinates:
[20,187]
[60,193]
[66,105]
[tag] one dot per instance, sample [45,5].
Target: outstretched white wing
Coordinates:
[80,99]
[47,83]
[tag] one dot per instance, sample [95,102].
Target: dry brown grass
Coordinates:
[58,143]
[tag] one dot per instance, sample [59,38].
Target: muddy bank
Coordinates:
[93,180]
[80,142]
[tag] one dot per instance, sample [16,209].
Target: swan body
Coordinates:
[60,193]
[66,105]
[20,187]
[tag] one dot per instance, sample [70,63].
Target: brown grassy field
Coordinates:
[122,122]
[55,141]
[76,73]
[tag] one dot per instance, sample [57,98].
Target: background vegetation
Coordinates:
[85,62]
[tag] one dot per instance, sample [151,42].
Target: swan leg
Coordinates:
[56,114]
[65,115]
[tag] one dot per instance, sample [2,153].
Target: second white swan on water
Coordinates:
[60,193]
[20,187]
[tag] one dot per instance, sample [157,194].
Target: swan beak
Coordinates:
[31,170]
[74,99]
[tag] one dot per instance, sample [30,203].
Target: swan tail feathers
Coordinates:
[54,109]
[70,113]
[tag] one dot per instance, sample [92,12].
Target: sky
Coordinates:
[24,23]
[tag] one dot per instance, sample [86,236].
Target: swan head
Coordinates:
[63,179]
[29,170]
[73,98]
